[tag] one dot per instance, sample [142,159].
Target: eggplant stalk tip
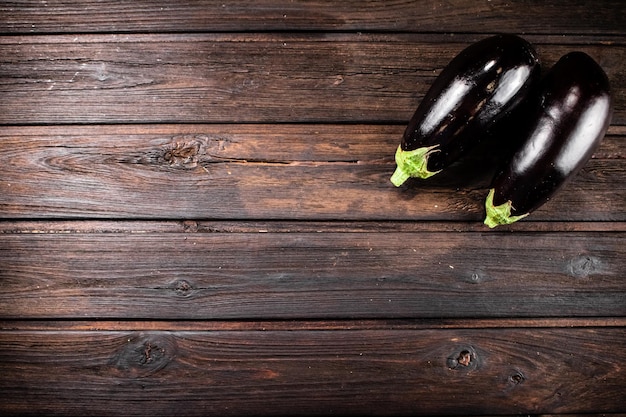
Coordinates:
[412,164]
[498,215]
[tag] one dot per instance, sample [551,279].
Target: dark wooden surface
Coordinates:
[196,217]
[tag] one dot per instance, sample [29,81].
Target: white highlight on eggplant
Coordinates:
[588,127]
[489,65]
[510,84]
[447,102]
[535,148]
[566,106]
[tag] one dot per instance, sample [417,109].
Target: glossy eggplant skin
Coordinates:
[481,85]
[568,119]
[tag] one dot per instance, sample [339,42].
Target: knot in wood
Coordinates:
[583,266]
[184,152]
[517,378]
[190,226]
[464,358]
[142,355]
[476,277]
[183,287]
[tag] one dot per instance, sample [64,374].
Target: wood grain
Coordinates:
[44,226]
[304,172]
[196,217]
[214,78]
[309,324]
[488,371]
[546,17]
[311,275]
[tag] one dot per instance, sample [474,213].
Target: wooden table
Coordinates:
[197,218]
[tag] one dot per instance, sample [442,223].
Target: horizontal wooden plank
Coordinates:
[302,172]
[259,276]
[278,77]
[310,325]
[353,372]
[555,16]
[277,226]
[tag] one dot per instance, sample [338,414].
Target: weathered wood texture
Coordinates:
[248,78]
[311,275]
[196,217]
[307,172]
[355,372]
[536,16]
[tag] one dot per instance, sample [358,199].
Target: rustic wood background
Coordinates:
[196,217]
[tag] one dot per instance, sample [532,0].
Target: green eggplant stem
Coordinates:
[412,164]
[498,215]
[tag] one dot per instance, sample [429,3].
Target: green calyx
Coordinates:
[498,215]
[412,164]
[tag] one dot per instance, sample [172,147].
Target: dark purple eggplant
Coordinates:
[565,125]
[481,85]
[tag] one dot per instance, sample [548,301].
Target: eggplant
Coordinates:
[569,117]
[482,84]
